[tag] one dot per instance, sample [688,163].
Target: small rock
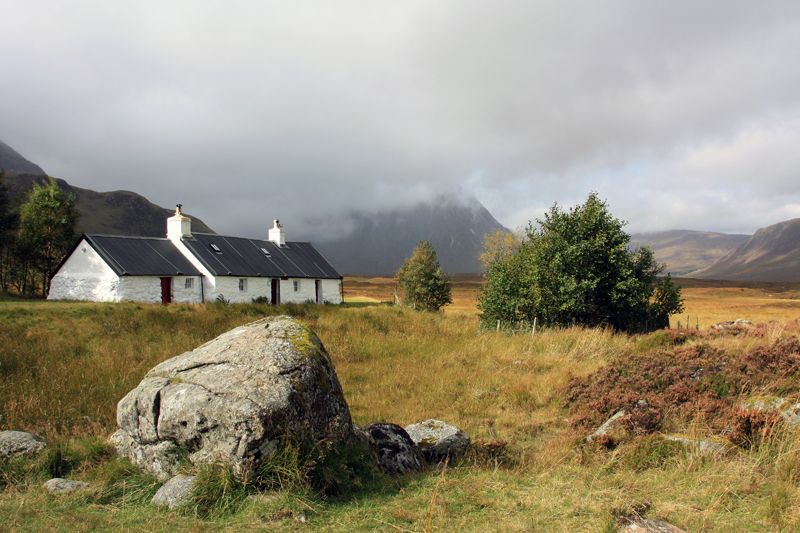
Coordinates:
[64,486]
[703,446]
[397,452]
[438,440]
[609,424]
[788,409]
[175,492]
[301,517]
[14,443]
[730,324]
[263,498]
[646,525]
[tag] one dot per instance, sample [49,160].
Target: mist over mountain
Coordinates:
[686,251]
[380,242]
[771,254]
[377,243]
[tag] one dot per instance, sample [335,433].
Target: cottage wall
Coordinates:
[148,289]
[228,288]
[307,291]
[84,276]
[332,291]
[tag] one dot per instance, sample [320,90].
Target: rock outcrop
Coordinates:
[234,400]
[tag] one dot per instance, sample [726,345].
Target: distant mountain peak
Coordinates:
[379,242]
[772,254]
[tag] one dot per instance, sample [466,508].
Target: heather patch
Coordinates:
[684,382]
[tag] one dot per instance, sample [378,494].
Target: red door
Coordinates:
[276,291]
[166,291]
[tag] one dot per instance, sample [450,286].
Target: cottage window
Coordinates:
[297,286]
[189,283]
[216,249]
[243,285]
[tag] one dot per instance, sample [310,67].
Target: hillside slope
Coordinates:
[13,163]
[771,254]
[111,213]
[685,251]
[381,242]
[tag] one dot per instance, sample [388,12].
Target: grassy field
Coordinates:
[64,366]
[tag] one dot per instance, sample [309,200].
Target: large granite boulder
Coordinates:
[234,400]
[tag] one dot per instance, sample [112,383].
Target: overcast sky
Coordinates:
[681,114]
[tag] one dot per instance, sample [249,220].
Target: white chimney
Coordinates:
[276,234]
[178,225]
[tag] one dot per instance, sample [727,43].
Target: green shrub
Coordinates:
[576,268]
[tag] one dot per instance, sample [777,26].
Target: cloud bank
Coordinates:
[681,115]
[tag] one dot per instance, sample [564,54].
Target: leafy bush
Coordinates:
[576,268]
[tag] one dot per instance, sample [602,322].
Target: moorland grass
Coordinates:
[63,362]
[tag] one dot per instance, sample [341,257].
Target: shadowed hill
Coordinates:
[111,213]
[772,254]
[381,242]
[13,163]
[685,251]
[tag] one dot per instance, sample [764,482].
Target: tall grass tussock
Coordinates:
[528,402]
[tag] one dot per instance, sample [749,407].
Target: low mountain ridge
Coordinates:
[772,254]
[686,252]
[381,242]
[110,213]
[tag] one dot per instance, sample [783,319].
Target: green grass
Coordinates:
[63,362]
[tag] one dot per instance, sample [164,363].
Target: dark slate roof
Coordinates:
[243,257]
[141,256]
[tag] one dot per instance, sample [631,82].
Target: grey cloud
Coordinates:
[307,110]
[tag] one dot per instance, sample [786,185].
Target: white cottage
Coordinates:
[195,268]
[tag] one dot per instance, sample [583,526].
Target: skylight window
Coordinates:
[216,249]
[266,252]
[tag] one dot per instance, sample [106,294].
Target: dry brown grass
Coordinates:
[401,366]
[707,301]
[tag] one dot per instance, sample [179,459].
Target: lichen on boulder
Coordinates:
[234,400]
[437,440]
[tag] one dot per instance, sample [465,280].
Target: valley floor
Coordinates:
[64,365]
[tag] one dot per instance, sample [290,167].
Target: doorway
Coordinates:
[166,291]
[276,292]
